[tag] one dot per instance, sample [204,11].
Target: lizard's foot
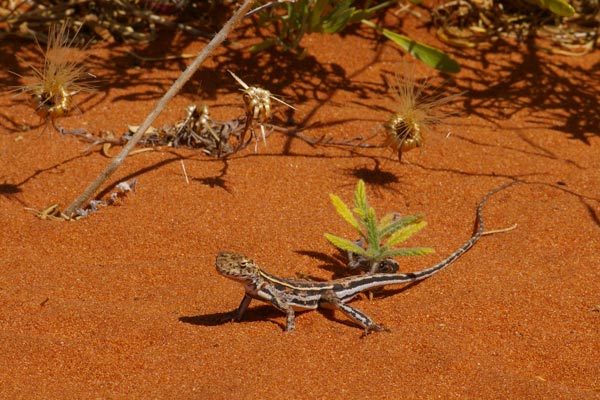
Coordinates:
[290,327]
[232,316]
[373,328]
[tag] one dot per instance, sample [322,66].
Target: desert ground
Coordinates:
[126,303]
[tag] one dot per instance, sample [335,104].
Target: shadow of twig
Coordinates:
[11,189]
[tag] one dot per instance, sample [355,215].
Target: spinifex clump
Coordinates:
[416,113]
[376,247]
[61,77]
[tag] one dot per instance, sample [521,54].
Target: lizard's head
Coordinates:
[236,266]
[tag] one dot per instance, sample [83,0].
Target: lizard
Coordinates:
[289,295]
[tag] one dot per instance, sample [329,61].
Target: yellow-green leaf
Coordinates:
[409,252]
[345,244]
[394,226]
[404,233]
[386,220]
[344,211]
[360,197]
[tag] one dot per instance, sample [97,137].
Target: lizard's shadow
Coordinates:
[252,314]
[263,313]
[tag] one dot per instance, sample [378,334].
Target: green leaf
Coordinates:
[373,240]
[431,56]
[345,244]
[404,233]
[559,7]
[344,211]
[316,15]
[265,44]
[361,14]
[339,18]
[408,252]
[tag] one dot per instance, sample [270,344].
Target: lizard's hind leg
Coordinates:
[330,300]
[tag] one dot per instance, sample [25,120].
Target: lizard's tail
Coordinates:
[480,228]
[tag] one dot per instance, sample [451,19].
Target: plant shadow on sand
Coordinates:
[511,78]
[520,78]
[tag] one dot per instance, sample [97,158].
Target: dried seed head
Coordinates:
[402,134]
[416,113]
[258,108]
[204,116]
[52,88]
[258,103]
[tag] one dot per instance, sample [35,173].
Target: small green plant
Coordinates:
[379,238]
[291,20]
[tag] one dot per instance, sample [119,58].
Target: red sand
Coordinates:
[126,303]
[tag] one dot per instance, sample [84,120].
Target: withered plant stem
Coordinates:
[173,90]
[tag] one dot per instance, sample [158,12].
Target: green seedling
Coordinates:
[291,20]
[378,240]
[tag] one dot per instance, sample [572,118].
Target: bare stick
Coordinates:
[184,172]
[175,88]
[510,228]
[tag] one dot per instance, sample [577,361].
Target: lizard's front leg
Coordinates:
[236,315]
[357,316]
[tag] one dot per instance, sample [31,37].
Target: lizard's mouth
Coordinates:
[228,272]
